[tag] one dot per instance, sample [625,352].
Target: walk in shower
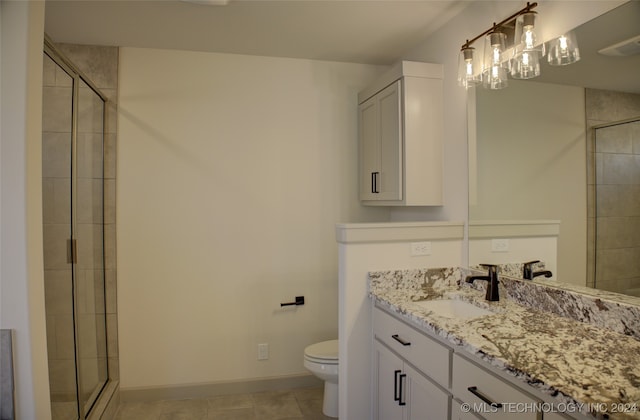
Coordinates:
[73,227]
[617,219]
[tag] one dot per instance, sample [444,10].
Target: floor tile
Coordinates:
[302,404]
[226,402]
[139,411]
[276,405]
[232,414]
[195,409]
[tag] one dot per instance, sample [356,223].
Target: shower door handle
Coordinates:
[72,251]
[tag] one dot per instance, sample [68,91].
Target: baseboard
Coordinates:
[175,392]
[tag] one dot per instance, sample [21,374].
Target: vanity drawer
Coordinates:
[426,354]
[471,383]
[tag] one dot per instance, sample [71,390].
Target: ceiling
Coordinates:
[359,31]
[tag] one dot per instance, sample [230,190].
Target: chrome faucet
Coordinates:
[493,294]
[529,274]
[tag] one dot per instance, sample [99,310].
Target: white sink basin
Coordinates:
[453,308]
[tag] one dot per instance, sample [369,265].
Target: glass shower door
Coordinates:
[57,129]
[89,268]
[73,228]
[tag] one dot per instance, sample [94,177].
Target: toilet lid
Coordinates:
[326,350]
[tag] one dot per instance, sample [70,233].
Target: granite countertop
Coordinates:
[595,368]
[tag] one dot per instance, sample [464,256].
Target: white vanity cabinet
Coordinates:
[417,376]
[406,363]
[400,122]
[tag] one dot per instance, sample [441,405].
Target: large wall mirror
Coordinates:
[564,148]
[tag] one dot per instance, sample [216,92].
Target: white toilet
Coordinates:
[321,359]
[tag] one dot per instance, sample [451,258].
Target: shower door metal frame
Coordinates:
[78,76]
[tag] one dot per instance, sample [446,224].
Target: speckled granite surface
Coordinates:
[573,361]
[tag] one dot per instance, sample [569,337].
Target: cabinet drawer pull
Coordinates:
[400,340]
[374,182]
[402,400]
[474,391]
[396,394]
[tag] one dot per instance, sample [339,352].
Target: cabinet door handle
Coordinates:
[474,391]
[374,182]
[396,394]
[402,400]
[400,340]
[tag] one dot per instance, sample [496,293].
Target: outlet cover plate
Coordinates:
[420,248]
[263,351]
[499,245]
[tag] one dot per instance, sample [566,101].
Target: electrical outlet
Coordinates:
[499,245]
[263,351]
[420,248]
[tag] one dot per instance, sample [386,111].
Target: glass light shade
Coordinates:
[469,73]
[495,68]
[527,52]
[563,50]
[526,64]
[525,33]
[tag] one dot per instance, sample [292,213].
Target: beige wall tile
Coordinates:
[620,169]
[55,246]
[56,155]
[58,292]
[56,109]
[614,139]
[48,71]
[56,200]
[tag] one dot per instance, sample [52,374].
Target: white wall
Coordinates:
[232,172]
[21,266]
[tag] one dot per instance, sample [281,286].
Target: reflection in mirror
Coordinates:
[540,181]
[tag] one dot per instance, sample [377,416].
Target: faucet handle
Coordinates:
[527,269]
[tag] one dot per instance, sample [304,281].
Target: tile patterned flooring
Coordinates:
[302,403]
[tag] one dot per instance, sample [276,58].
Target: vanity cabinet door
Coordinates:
[402,392]
[387,370]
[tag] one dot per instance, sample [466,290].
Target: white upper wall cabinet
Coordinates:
[400,137]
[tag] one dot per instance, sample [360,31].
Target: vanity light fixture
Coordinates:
[522,61]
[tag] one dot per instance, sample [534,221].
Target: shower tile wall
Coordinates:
[614,191]
[100,64]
